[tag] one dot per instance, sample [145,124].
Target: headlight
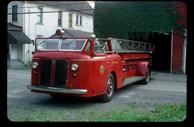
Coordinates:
[74,67]
[34,65]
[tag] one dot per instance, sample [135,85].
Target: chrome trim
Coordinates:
[57,90]
[131,80]
[70,50]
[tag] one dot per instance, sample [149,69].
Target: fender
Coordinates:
[142,68]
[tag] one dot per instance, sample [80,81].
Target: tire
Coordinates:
[56,96]
[110,87]
[147,78]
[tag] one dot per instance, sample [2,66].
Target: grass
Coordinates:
[160,113]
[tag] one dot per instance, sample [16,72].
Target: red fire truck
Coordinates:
[88,67]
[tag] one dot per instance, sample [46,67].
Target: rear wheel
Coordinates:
[147,77]
[110,86]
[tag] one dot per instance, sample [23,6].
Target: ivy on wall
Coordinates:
[122,19]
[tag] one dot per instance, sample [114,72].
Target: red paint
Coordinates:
[178,39]
[177,58]
[94,68]
[181,8]
[35,74]
[109,45]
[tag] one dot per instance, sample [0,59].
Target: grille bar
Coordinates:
[45,72]
[61,67]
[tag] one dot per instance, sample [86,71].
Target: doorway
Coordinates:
[13,51]
[161,57]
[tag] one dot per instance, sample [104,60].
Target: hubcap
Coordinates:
[109,86]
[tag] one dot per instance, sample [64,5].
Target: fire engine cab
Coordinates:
[88,67]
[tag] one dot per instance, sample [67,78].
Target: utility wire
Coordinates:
[46,5]
[51,11]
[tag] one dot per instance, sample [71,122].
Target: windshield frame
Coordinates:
[59,44]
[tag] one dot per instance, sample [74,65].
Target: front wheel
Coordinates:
[110,86]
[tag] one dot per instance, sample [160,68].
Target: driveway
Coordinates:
[163,88]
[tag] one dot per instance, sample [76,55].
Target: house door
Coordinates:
[162,55]
[14,52]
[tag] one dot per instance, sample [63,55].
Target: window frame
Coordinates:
[87,48]
[78,20]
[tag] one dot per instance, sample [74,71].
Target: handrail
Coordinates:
[131,46]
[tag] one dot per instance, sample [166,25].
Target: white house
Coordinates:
[43,18]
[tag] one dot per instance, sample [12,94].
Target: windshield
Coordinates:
[60,44]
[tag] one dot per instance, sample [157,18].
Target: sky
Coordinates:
[91,3]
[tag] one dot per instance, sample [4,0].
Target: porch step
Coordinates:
[15,64]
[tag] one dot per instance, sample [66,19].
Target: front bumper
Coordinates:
[57,90]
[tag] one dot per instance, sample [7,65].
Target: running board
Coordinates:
[130,80]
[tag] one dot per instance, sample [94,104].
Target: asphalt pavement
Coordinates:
[163,88]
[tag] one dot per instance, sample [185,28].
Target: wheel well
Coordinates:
[115,78]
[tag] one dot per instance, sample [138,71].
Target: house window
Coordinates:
[14,13]
[40,15]
[70,20]
[78,19]
[60,18]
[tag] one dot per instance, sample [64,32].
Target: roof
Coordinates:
[74,33]
[15,35]
[70,5]
[11,26]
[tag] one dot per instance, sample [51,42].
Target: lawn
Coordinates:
[131,113]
